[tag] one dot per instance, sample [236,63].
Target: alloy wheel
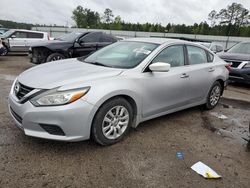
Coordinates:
[115,122]
[215,95]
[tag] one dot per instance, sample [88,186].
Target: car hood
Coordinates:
[235,56]
[64,72]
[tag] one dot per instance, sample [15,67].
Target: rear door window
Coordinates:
[92,38]
[196,55]
[35,35]
[106,38]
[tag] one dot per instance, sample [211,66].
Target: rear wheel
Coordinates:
[214,95]
[112,121]
[55,57]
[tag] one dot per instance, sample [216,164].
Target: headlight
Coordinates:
[56,98]
[247,65]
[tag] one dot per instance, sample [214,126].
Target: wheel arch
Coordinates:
[222,85]
[130,98]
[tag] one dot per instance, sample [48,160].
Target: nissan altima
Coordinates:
[105,94]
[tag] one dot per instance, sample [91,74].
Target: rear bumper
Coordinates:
[71,122]
[240,75]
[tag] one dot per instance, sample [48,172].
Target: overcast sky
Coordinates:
[155,11]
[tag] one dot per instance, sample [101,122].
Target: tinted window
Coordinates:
[196,55]
[173,55]
[70,36]
[92,37]
[106,38]
[241,48]
[20,34]
[35,35]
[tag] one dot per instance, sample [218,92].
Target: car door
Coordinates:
[17,41]
[87,44]
[164,91]
[200,70]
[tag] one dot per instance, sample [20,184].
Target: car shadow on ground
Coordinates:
[146,126]
[239,85]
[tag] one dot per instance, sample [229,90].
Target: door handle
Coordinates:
[211,70]
[184,75]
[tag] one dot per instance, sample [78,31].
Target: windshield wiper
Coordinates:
[96,63]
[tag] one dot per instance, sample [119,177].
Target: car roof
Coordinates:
[158,40]
[24,30]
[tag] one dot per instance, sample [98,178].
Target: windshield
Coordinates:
[123,54]
[241,48]
[7,34]
[70,36]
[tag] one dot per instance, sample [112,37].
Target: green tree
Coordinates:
[108,16]
[85,17]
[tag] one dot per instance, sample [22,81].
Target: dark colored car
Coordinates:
[239,58]
[70,45]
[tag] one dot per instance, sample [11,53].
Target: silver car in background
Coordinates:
[20,40]
[115,88]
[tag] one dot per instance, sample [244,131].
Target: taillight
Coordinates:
[48,37]
[228,66]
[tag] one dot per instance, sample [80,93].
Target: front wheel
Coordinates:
[55,57]
[112,121]
[214,96]
[4,51]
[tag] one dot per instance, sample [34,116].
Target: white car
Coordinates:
[16,40]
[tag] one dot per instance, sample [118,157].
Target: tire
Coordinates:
[55,57]
[107,130]
[5,51]
[213,96]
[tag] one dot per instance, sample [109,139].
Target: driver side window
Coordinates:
[91,38]
[174,55]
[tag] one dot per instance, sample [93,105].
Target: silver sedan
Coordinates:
[105,94]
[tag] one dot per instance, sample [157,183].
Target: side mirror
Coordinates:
[160,67]
[13,36]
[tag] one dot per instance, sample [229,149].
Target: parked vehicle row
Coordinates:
[70,45]
[105,94]
[214,47]
[239,58]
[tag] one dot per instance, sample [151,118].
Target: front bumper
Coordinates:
[73,119]
[240,75]
[1,50]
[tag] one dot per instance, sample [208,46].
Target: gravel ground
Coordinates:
[145,158]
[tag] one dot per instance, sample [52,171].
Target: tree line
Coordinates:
[232,20]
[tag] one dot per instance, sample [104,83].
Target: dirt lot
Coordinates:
[146,158]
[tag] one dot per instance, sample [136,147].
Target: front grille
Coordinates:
[234,64]
[17,117]
[22,91]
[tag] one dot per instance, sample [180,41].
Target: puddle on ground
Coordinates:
[230,120]
[7,77]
